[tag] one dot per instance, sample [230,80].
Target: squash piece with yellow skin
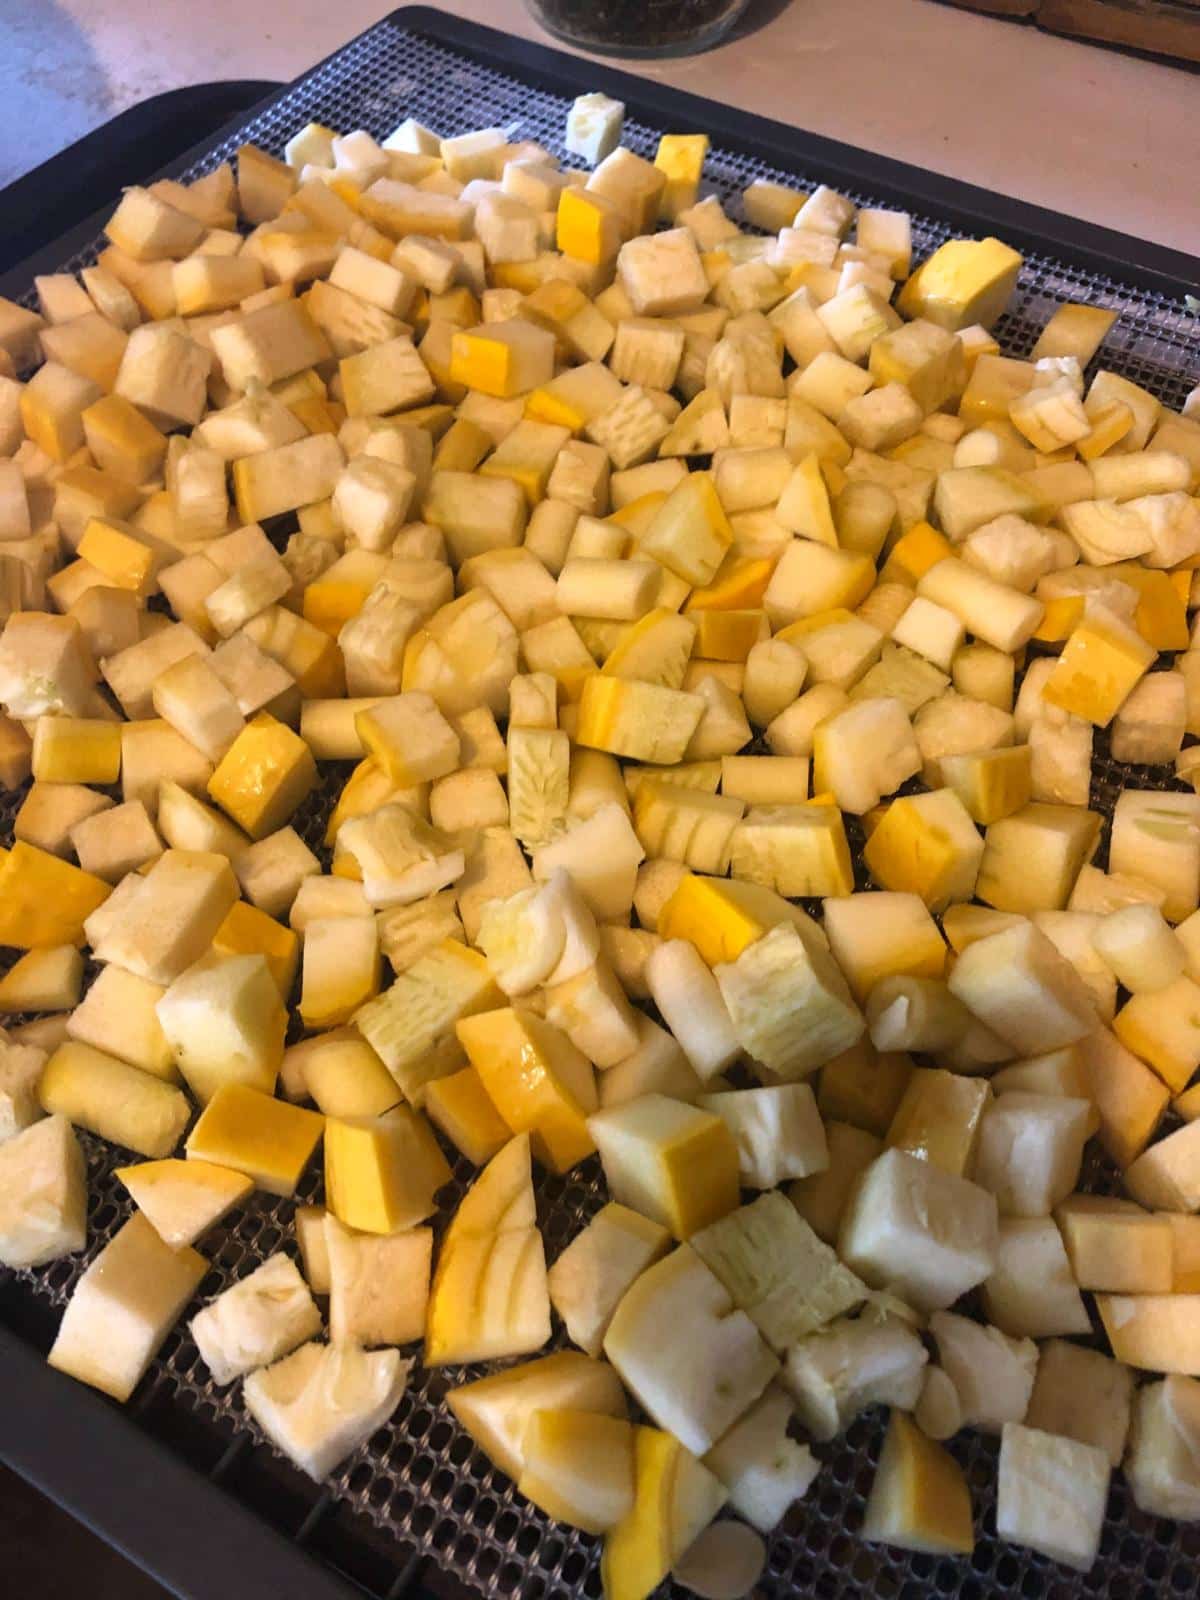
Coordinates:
[183,1199]
[44,901]
[537,1080]
[268,1140]
[264,776]
[919,1499]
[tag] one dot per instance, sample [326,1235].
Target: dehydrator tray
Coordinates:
[180,1479]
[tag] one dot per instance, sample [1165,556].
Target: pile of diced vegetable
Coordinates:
[607,570]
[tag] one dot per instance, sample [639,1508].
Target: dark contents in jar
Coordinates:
[638,24]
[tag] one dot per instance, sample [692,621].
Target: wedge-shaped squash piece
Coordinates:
[579,1468]
[675,1499]
[123,1307]
[183,1199]
[496,1410]
[43,980]
[919,1499]
[324,1400]
[698,1386]
[489,1298]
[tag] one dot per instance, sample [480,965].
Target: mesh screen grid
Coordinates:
[420,1480]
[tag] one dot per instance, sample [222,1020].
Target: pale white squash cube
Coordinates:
[1053,1494]
[1032,1292]
[926,1233]
[256,1320]
[778,1131]
[43,1191]
[324,1400]
[378,1284]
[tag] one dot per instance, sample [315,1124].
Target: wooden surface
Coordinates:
[1169,28]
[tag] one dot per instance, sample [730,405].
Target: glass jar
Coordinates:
[638,27]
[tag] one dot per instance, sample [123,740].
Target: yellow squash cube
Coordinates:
[267,1139]
[410,738]
[911,557]
[461,1108]
[721,916]
[126,561]
[681,157]
[795,850]
[926,844]
[76,750]
[503,359]
[1102,661]
[264,776]
[311,656]
[341,969]
[991,784]
[45,901]
[247,931]
[690,533]
[381,1173]
[587,226]
[880,935]
[669,1161]
[964,281]
[123,442]
[640,721]
[939,1117]
[862,1087]
[537,1080]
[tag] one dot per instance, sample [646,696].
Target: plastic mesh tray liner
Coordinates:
[420,1481]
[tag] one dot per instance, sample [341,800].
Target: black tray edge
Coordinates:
[973,209]
[37,207]
[191,1536]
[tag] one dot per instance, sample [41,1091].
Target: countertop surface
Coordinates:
[1086,131]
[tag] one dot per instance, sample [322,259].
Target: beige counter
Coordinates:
[1082,130]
